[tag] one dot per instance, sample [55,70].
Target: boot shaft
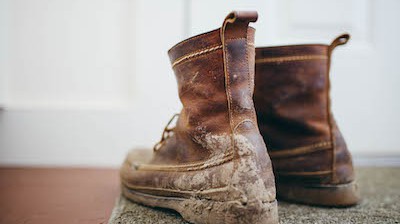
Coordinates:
[292,94]
[215,80]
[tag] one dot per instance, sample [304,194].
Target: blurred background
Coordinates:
[84,81]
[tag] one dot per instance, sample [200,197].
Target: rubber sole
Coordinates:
[204,211]
[343,195]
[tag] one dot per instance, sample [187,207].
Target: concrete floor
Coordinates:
[380,189]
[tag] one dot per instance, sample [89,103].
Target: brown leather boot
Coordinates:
[212,167]
[311,162]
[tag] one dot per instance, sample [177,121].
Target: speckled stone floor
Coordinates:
[380,189]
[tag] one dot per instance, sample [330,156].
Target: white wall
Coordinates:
[81,82]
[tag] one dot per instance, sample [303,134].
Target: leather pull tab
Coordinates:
[340,40]
[243,16]
[236,23]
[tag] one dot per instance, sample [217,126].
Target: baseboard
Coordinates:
[377,161]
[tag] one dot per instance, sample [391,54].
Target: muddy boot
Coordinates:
[212,167]
[311,162]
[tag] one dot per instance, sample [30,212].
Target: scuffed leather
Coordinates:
[293,109]
[216,121]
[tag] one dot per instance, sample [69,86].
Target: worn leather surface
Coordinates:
[216,150]
[293,107]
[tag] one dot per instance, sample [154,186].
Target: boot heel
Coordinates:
[343,195]
[202,211]
[233,212]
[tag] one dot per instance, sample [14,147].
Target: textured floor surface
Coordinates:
[380,189]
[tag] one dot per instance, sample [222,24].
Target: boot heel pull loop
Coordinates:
[236,23]
[244,16]
[340,40]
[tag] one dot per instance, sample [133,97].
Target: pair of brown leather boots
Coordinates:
[213,166]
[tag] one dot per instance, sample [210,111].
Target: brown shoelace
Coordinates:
[167,133]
